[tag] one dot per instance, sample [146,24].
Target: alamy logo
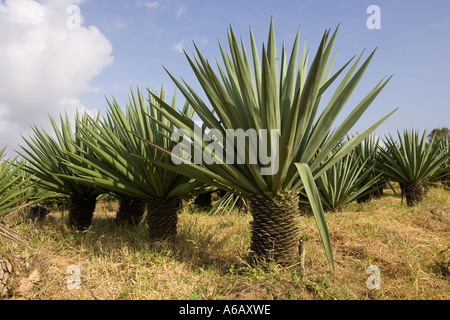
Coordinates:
[74,278]
[374,20]
[374,280]
[74,19]
[235,146]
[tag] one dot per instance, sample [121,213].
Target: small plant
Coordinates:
[13,185]
[413,163]
[119,163]
[346,181]
[368,153]
[46,156]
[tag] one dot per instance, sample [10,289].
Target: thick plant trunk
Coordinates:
[275,228]
[38,212]
[413,192]
[377,193]
[364,199]
[204,201]
[162,219]
[81,210]
[131,211]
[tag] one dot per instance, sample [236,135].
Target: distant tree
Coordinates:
[444,132]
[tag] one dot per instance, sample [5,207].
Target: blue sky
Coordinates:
[413,46]
[124,44]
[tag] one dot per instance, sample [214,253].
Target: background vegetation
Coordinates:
[409,244]
[80,197]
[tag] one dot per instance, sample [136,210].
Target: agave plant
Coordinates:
[351,178]
[46,154]
[346,181]
[446,167]
[368,154]
[444,141]
[13,185]
[118,162]
[227,203]
[413,163]
[275,107]
[31,190]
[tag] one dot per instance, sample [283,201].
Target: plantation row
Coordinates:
[127,154]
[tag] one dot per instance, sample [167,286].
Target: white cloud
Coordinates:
[178,46]
[181,10]
[148,4]
[44,64]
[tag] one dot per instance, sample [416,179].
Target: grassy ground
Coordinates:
[409,245]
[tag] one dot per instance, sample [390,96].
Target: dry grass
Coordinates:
[208,262]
